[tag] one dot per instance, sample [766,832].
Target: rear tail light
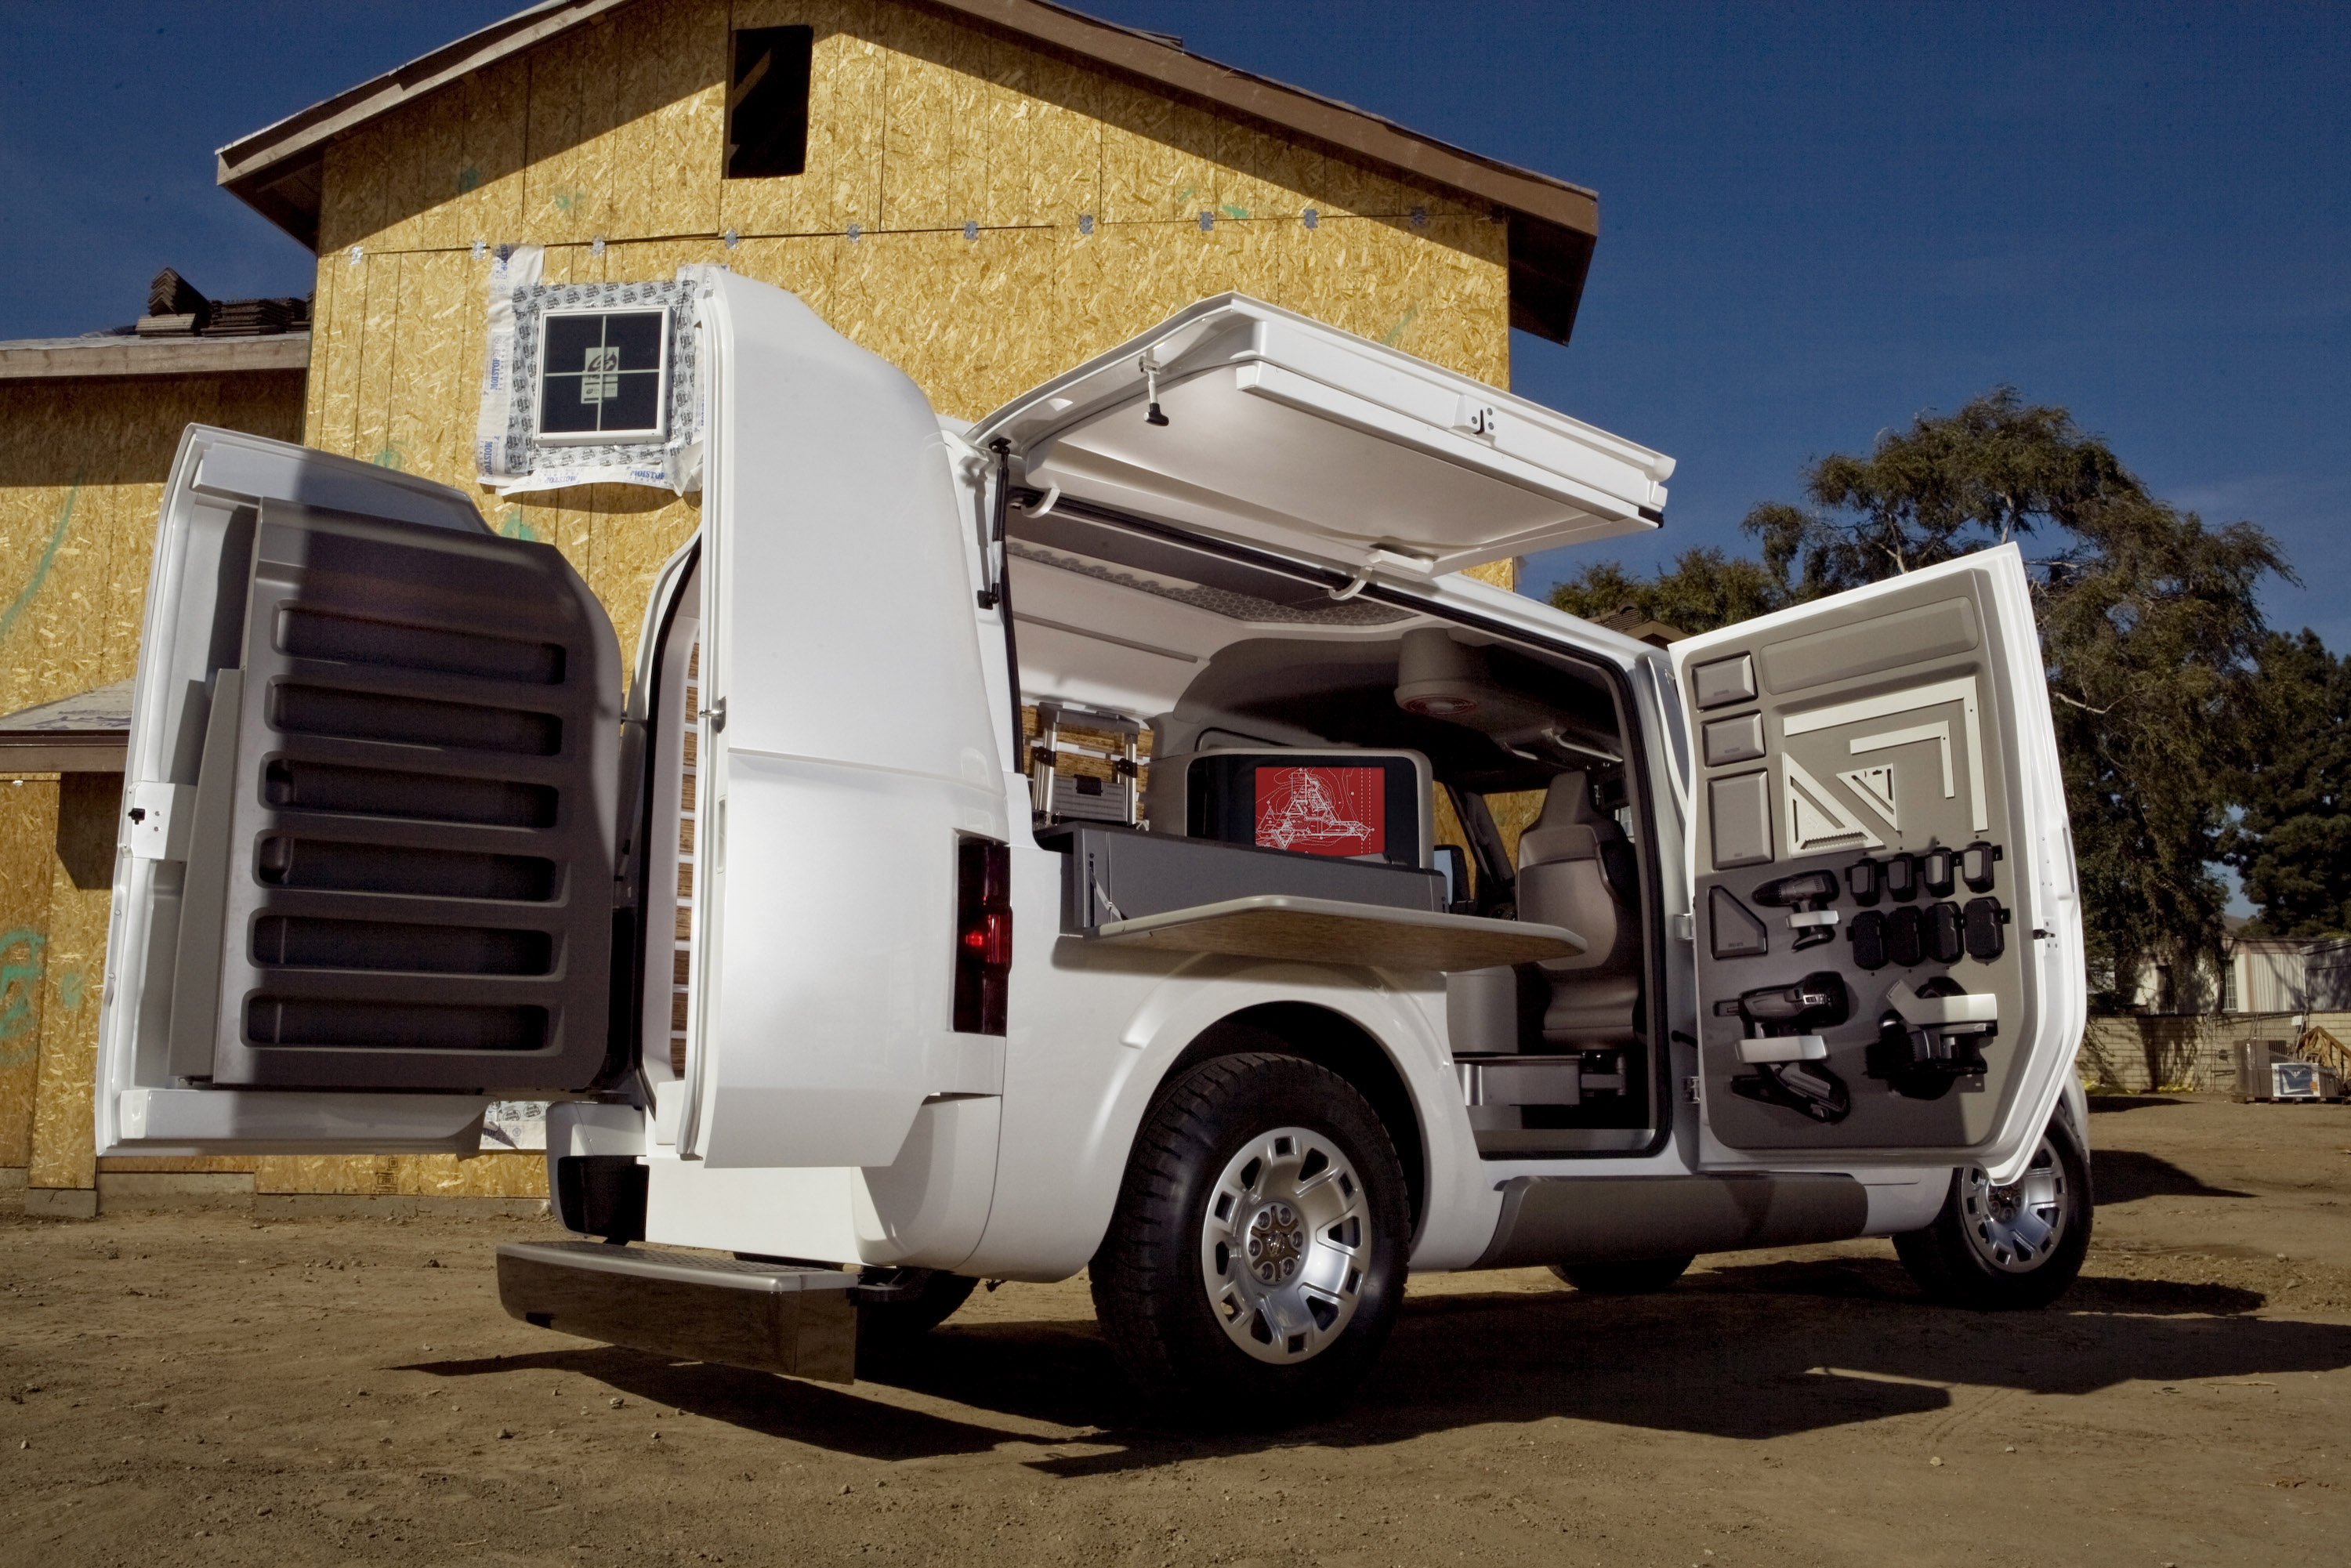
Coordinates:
[983,958]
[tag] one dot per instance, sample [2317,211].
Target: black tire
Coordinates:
[1154,1272]
[1644,1278]
[888,1325]
[1970,1256]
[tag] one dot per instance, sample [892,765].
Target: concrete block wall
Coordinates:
[2141,1054]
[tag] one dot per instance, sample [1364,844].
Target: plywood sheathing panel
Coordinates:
[626,125]
[445,171]
[428,420]
[267,404]
[81,471]
[573,85]
[326,279]
[380,354]
[671,78]
[337,344]
[29,818]
[1158,156]
[65,1148]
[917,154]
[503,1175]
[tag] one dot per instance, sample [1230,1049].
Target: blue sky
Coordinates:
[1817,220]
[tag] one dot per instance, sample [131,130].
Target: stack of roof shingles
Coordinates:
[176,307]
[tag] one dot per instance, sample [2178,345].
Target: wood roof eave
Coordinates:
[1553,224]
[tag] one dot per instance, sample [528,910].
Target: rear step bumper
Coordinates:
[766,1316]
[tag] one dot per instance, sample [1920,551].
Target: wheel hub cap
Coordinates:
[2016,1227]
[1284,1244]
[1276,1244]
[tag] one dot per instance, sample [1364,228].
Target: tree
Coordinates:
[1996,470]
[2148,620]
[2292,844]
[1705,589]
[2150,627]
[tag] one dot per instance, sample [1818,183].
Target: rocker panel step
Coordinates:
[764,1316]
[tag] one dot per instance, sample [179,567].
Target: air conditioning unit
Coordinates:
[2303,1080]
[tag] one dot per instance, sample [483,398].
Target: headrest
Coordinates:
[1570,801]
[1562,842]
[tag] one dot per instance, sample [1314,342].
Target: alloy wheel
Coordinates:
[1284,1244]
[2015,1227]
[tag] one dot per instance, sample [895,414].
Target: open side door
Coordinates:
[1241,420]
[1888,932]
[365,872]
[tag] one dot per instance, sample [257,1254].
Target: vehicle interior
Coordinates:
[1203,726]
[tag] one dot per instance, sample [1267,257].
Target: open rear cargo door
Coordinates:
[1889,936]
[847,745]
[1259,425]
[365,872]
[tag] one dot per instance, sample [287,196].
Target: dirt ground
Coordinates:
[197,1388]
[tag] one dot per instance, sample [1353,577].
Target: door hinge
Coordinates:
[1689,1090]
[1685,926]
[161,817]
[716,714]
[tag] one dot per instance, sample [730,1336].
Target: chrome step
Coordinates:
[768,1317]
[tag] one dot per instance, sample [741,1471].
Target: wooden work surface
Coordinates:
[1325,931]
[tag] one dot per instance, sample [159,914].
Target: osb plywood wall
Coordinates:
[28,815]
[918,126]
[82,465]
[81,876]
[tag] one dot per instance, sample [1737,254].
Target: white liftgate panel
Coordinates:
[364,873]
[847,740]
[1253,423]
[1888,931]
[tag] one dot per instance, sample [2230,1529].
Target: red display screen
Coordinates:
[1322,810]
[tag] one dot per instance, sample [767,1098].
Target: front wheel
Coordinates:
[2002,1249]
[1255,1258]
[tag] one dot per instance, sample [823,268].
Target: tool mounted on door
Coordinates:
[1931,1037]
[1807,896]
[1785,1046]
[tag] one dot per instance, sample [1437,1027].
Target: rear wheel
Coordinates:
[896,1307]
[1255,1258]
[1646,1276]
[1998,1249]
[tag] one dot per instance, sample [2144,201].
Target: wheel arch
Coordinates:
[1329,1039]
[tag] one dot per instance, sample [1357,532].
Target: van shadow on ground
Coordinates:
[2124,1175]
[1757,1352]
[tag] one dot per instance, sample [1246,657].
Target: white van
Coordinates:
[1069,843]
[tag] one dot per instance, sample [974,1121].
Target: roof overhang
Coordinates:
[60,359]
[88,732]
[278,171]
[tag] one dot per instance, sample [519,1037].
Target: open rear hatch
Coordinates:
[1246,422]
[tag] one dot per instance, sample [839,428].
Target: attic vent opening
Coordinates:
[768,103]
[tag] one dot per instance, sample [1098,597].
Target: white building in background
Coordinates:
[2285,974]
[2253,974]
